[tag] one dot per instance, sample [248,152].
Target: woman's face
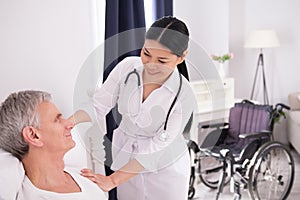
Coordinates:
[159,62]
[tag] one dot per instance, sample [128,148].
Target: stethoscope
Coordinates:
[163,135]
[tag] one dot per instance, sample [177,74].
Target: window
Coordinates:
[149,12]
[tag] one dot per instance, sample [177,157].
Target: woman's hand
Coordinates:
[104,182]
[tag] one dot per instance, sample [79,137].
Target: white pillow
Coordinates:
[11,175]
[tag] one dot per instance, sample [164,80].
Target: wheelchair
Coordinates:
[244,154]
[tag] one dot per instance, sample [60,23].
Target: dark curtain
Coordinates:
[121,18]
[163,8]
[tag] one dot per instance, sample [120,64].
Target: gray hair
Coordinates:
[16,112]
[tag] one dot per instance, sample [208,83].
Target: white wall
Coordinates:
[281,63]
[222,26]
[44,43]
[208,24]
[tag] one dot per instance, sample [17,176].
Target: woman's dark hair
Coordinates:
[170,32]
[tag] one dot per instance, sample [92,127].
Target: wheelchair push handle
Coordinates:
[278,111]
[281,106]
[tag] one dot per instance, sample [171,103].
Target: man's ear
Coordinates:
[31,135]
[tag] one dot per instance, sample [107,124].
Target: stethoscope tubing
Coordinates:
[175,98]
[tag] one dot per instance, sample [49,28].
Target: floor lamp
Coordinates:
[261,39]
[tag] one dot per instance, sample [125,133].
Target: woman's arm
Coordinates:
[128,171]
[106,183]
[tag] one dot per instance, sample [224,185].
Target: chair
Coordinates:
[293,122]
[243,153]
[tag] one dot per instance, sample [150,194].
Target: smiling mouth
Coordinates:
[152,72]
[69,135]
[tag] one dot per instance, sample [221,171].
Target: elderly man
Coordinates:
[33,130]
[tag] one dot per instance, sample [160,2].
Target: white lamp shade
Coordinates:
[262,39]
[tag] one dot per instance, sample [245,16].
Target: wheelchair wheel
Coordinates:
[210,171]
[272,174]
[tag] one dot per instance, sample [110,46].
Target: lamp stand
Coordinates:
[260,63]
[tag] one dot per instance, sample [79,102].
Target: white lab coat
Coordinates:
[139,135]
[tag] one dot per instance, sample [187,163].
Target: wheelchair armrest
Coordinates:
[216,125]
[255,135]
[193,146]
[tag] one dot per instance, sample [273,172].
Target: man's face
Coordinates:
[55,131]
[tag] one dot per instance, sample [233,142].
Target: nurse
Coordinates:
[150,156]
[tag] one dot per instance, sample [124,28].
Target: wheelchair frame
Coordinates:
[249,174]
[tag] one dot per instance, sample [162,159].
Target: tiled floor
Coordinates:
[203,192]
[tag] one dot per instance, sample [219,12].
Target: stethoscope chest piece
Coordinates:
[163,136]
